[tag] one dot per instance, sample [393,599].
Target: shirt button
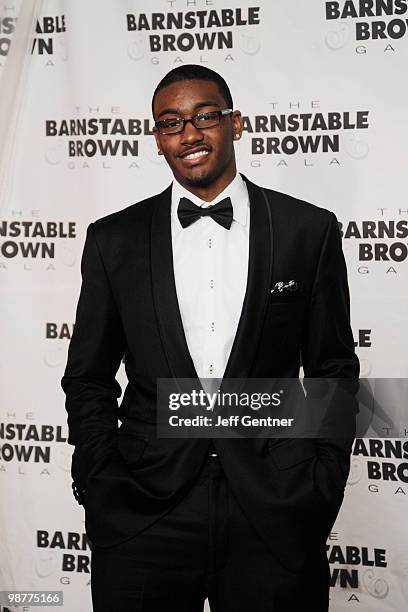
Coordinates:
[210,243]
[212,284]
[212,326]
[211,369]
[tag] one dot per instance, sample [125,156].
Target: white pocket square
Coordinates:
[284,286]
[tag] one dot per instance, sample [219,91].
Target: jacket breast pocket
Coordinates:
[131,447]
[286,298]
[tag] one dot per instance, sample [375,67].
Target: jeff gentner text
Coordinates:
[231,421]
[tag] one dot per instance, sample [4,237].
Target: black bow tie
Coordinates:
[221,212]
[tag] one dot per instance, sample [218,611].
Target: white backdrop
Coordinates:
[323,91]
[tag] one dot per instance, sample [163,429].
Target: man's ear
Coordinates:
[237,125]
[156,135]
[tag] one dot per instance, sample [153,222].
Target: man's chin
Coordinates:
[204,179]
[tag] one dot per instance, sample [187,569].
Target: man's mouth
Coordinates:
[194,156]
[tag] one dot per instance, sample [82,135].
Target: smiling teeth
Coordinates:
[195,155]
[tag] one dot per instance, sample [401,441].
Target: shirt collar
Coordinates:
[236,190]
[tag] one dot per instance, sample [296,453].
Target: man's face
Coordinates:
[185,99]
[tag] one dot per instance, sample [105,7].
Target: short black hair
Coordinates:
[194,72]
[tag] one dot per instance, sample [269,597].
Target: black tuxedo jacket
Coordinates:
[126,478]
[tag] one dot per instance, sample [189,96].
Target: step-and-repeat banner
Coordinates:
[322,88]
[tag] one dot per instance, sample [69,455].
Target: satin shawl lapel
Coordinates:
[164,291]
[258,285]
[256,296]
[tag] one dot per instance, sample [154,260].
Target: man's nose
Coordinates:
[191,133]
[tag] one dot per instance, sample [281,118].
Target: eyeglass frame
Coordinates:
[221,113]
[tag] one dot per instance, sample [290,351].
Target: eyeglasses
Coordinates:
[200,121]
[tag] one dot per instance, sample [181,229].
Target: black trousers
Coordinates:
[204,547]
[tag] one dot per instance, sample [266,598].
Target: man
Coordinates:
[184,290]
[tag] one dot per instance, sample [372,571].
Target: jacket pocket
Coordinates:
[131,447]
[292,451]
[285,298]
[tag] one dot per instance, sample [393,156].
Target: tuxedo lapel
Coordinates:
[164,291]
[256,296]
[258,285]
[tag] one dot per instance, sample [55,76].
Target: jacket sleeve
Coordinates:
[94,355]
[328,352]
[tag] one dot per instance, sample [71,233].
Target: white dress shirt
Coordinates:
[211,270]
